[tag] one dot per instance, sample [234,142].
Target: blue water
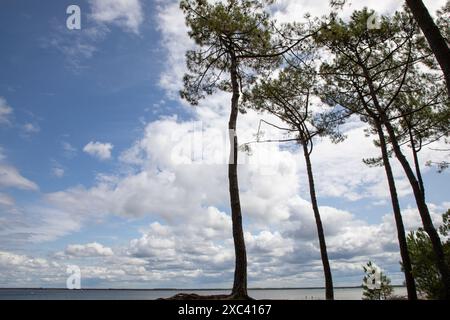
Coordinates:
[278,294]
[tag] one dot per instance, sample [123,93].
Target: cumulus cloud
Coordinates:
[127,14]
[24,271]
[200,253]
[174,34]
[93,249]
[172,183]
[99,150]
[175,174]
[7,258]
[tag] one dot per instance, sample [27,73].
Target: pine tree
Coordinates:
[234,43]
[376,285]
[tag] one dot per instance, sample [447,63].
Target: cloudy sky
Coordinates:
[104,167]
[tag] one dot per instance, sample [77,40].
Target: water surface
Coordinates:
[104,294]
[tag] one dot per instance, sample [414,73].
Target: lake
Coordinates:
[104,294]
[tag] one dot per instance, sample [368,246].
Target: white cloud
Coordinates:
[21,270]
[174,181]
[6,200]
[88,250]
[167,179]
[58,172]
[340,171]
[294,10]
[5,111]
[175,41]
[188,254]
[267,242]
[69,150]
[127,14]
[99,150]
[11,259]
[78,47]
[30,128]
[37,224]
[11,178]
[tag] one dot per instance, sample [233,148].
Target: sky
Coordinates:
[103,166]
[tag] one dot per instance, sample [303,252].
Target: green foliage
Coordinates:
[231,36]
[384,289]
[444,229]
[382,76]
[425,111]
[373,162]
[288,96]
[443,21]
[441,166]
[367,61]
[423,260]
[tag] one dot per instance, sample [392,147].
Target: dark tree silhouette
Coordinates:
[437,42]
[366,76]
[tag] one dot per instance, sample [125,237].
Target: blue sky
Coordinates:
[93,143]
[104,100]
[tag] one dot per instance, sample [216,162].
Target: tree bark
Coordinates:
[416,163]
[406,261]
[240,272]
[433,35]
[329,294]
[423,209]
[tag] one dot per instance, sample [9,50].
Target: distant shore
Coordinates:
[189,289]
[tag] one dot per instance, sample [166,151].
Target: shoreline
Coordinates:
[188,289]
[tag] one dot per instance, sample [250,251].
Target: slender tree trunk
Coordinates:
[433,35]
[329,294]
[240,272]
[416,163]
[406,261]
[423,209]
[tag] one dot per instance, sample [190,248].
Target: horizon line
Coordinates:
[186,289]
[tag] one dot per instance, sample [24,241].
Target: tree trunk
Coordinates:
[416,163]
[423,209]
[433,35]
[329,294]
[406,261]
[240,272]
